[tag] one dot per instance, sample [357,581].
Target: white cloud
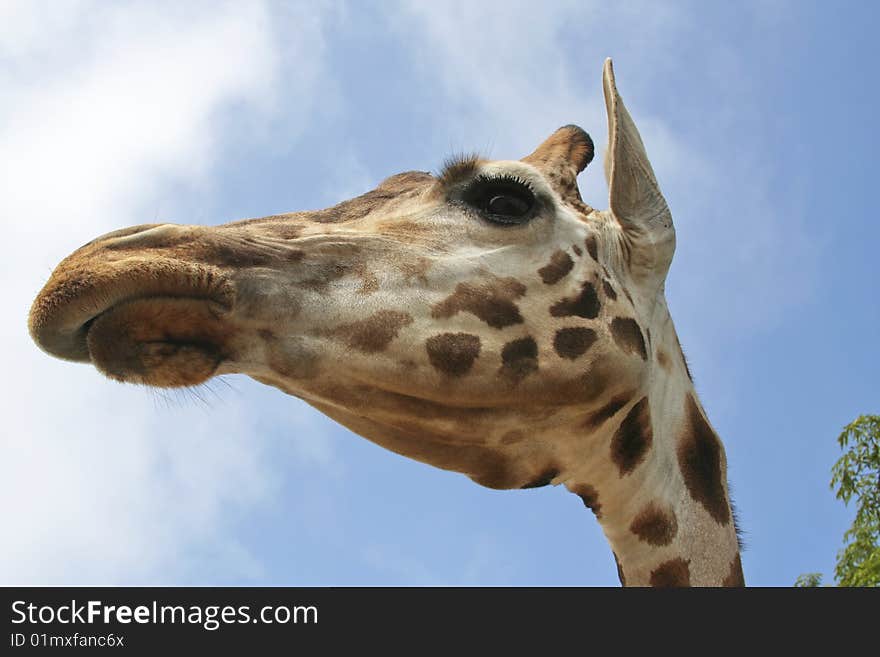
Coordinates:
[518,83]
[93,132]
[102,108]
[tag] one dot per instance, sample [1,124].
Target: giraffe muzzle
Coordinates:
[137,318]
[161,341]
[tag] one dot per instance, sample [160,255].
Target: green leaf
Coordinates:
[809,580]
[856,474]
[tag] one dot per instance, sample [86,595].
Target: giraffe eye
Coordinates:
[507,205]
[501,200]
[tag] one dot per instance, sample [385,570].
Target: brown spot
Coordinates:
[369,282]
[592,247]
[700,457]
[654,525]
[574,341]
[609,291]
[585,304]
[735,576]
[544,479]
[520,358]
[628,336]
[560,264]
[577,250]
[620,574]
[512,437]
[453,353]
[633,438]
[609,410]
[675,572]
[375,333]
[238,254]
[414,269]
[590,497]
[321,273]
[663,360]
[491,301]
[285,230]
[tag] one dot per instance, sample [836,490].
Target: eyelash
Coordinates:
[503,178]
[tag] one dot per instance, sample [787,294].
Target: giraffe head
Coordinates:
[446,317]
[484,320]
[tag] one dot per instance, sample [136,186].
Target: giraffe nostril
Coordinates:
[122,232]
[145,236]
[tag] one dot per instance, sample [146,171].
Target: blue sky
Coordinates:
[758,118]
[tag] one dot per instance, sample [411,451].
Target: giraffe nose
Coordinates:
[144,236]
[122,232]
[110,271]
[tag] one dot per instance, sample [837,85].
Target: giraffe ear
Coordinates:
[634,196]
[568,150]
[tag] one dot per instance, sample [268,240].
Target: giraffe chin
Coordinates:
[162,341]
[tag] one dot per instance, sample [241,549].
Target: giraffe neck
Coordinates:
[657,483]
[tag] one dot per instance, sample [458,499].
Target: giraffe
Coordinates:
[483,320]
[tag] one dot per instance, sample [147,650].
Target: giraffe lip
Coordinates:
[158,341]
